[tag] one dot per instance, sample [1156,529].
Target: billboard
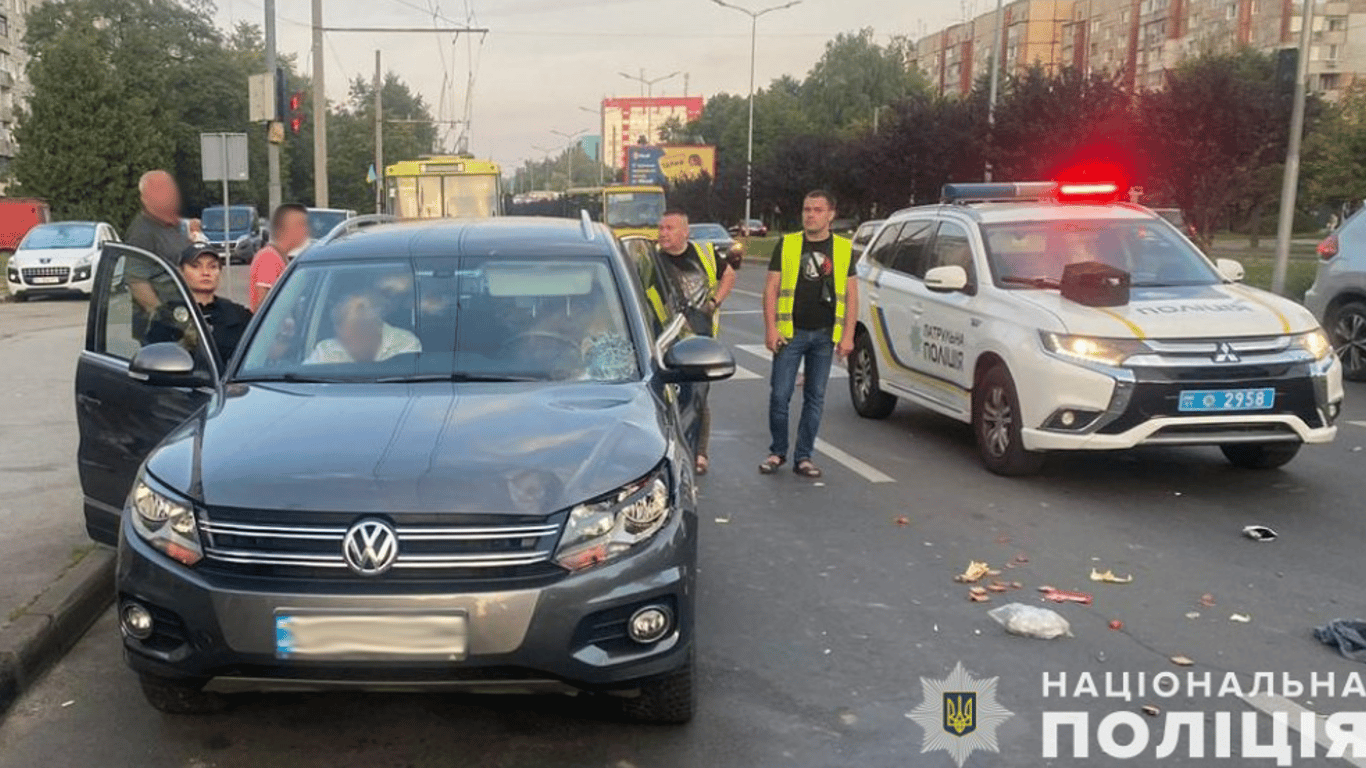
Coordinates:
[626,120]
[669,163]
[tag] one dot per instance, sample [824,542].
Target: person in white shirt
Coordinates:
[362,336]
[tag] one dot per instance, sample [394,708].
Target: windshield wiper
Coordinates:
[1032,282]
[298,378]
[459,378]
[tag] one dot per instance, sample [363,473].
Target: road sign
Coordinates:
[223,156]
[260,98]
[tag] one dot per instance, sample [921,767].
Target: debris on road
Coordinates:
[903,520]
[1192,614]
[975,571]
[1207,600]
[1349,635]
[979,595]
[1151,711]
[1259,533]
[723,520]
[66,704]
[1021,559]
[1116,624]
[1241,618]
[1109,577]
[1067,596]
[1031,621]
[1182,661]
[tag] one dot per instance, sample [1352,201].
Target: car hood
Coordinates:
[519,449]
[1179,313]
[56,256]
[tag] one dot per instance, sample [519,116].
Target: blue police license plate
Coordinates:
[1213,400]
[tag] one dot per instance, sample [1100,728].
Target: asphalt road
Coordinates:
[819,614]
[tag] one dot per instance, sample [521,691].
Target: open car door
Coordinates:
[138,302]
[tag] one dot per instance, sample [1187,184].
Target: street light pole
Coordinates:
[570,137]
[650,85]
[753,46]
[1290,184]
[995,80]
[602,140]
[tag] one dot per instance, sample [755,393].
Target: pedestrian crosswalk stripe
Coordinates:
[1357,423]
[744,374]
[837,370]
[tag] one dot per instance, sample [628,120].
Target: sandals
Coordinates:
[806,469]
[701,466]
[771,464]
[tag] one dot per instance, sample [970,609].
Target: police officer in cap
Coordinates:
[202,269]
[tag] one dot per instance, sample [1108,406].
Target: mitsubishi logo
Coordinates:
[370,547]
[1223,353]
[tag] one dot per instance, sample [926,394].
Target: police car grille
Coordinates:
[442,546]
[30,273]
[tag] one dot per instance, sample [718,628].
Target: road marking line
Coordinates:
[854,464]
[1271,704]
[837,370]
[1357,423]
[742,311]
[744,374]
[744,292]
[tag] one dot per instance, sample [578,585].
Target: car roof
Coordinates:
[511,236]
[1000,213]
[64,223]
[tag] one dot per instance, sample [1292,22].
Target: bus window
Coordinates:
[403,197]
[471,196]
[429,197]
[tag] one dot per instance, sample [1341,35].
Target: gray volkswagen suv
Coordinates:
[448,454]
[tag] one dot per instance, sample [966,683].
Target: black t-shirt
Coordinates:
[685,270]
[813,302]
[226,320]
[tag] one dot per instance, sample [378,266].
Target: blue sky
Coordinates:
[544,59]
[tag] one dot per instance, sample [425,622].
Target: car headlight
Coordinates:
[1087,349]
[166,522]
[1315,343]
[86,260]
[605,529]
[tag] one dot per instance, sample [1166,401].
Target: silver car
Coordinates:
[1338,295]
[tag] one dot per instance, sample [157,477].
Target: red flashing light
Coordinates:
[296,124]
[296,101]
[1097,181]
[1328,248]
[1096,189]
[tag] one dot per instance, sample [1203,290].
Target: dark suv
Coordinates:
[448,454]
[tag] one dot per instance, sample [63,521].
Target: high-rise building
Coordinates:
[627,121]
[14,85]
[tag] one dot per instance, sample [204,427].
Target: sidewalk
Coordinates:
[53,580]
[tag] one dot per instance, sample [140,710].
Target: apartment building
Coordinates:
[14,86]
[1142,39]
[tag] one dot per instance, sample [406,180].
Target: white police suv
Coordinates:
[1056,317]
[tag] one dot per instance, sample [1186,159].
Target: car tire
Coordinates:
[1347,332]
[996,424]
[1260,455]
[180,697]
[870,401]
[666,700]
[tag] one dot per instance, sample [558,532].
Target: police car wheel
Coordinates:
[1260,456]
[996,423]
[1347,331]
[870,401]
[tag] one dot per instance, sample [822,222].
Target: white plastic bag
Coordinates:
[1031,621]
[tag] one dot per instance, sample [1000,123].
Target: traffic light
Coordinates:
[296,112]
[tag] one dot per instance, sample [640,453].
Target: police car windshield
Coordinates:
[1032,254]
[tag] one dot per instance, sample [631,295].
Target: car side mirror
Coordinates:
[697,359]
[164,364]
[1230,270]
[946,279]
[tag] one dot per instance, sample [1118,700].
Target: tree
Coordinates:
[1335,153]
[409,133]
[854,76]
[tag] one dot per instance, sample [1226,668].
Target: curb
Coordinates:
[49,627]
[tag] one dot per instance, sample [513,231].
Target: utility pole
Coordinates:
[1291,182]
[273,193]
[573,147]
[379,136]
[319,111]
[995,80]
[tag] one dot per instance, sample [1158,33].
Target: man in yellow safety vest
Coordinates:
[704,280]
[810,306]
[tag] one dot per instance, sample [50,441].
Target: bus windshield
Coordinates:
[633,209]
[445,196]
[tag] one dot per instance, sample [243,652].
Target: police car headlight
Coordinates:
[1088,349]
[165,521]
[1315,343]
[611,526]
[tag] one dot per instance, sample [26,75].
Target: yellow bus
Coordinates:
[629,209]
[444,187]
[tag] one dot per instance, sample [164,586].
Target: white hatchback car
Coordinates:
[1052,322]
[57,258]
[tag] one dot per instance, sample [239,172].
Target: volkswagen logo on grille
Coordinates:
[1223,353]
[370,547]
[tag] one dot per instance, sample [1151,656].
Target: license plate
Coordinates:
[45,280]
[1207,400]
[370,636]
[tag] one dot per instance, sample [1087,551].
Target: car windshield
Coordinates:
[47,236]
[634,209]
[321,223]
[239,219]
[445,319]
[708,232]
[1032,254]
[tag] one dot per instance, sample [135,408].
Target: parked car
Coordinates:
[750,228]
[58,258]
[225,228]
[843,226]
[321,221]
[720,239]
[503,502]
[1338,296]
[864,234]
[17,216]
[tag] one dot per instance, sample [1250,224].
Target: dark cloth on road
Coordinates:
[1349,636]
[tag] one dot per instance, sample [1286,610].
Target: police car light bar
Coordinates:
[1093,189]
[985,193]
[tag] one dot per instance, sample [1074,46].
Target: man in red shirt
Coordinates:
[288,230]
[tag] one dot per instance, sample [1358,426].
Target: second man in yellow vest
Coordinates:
[810,304]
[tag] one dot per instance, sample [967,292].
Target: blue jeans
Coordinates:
[817,349]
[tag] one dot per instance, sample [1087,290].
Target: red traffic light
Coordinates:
[296,101]
[296,123]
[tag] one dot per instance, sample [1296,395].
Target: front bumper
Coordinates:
[79,280]
[566,634]
[1129,407]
